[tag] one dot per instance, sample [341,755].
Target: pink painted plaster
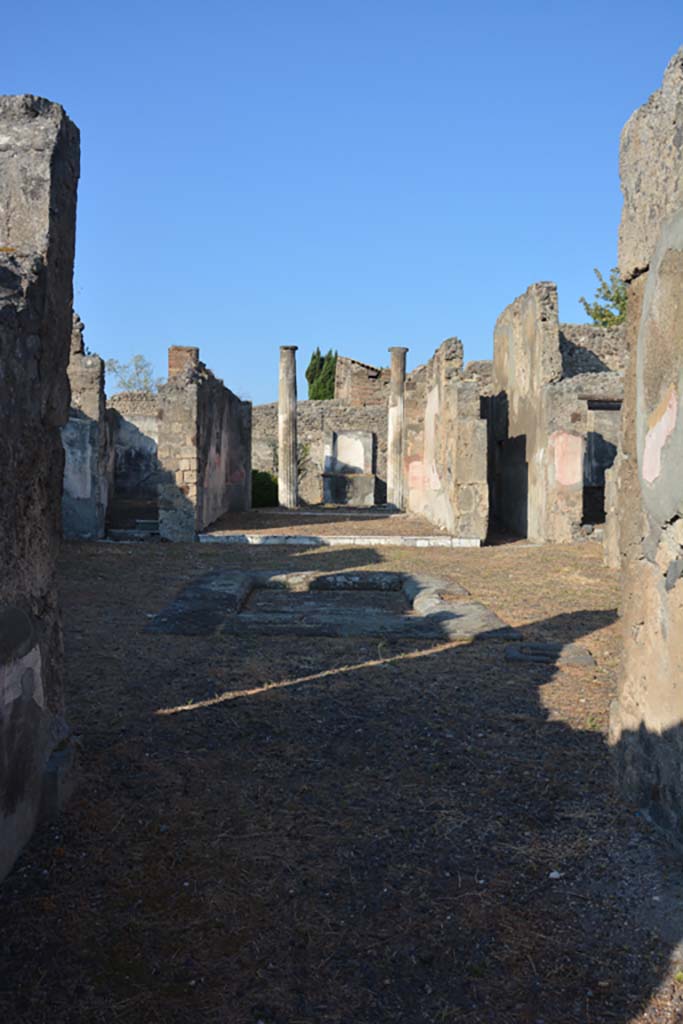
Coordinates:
[568,458]
[657,436]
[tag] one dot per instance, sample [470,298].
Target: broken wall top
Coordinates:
[39,169]
[39,163]
[446,363]
[359,383]
[526,342]
[129,402]
[589,348]
[651,169]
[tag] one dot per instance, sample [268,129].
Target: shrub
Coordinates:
[263,489]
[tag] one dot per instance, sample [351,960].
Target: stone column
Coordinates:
[396,432]
[288,489]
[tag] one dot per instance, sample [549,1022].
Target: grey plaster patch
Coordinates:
[328,604]
[550,653]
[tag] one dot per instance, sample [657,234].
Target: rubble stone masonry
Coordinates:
[553,417]
[359,385]
[317,420]
[39,168]
[446,443]
[204,448]
[645,726]
[89,466]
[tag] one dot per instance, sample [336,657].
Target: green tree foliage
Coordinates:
[136,375]
[320,374]
[609,306]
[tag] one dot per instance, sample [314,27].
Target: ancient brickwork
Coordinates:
[316,421]
[553,418]
[446,443]
[39,167]
[357,384]
[645,726]
[88,464]
[204,448]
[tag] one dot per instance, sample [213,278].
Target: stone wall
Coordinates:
[645,725]
[358,385]
[39,167]
[446,443]
[223,452]
[204,448]
[88,463]
[134,418]
[553,417]
[587,348]
[316,421]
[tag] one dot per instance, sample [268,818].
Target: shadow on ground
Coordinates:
[351,832]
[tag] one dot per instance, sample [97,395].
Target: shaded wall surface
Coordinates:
[89,456]
[645,726]
[317,421]
[134,419]
[204,448]
[446,443]
[553,417]
[39,167]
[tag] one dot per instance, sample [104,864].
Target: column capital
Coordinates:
[288,348]
[398,348]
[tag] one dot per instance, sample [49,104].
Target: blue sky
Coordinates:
[352,174]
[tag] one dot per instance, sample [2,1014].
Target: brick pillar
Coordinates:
[181,359]
[288,489]
[396,430]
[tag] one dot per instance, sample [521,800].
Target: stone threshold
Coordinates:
[332,541]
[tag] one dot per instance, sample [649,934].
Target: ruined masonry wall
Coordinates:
[587,348]
[526,358]
[223,453]
[204,448]
[134,422]
[39,168]
[315,422]
[358,385]
[646,731]
[88,466]
[446,443]
[546,441]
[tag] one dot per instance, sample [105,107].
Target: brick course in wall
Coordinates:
[358,384]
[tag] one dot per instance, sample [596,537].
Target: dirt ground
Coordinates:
[303,831]
[320,522]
